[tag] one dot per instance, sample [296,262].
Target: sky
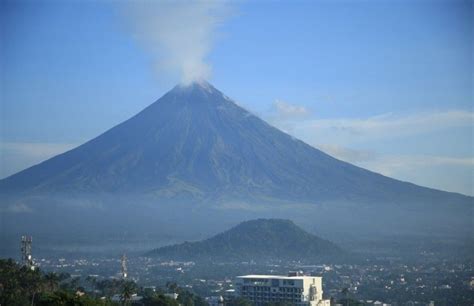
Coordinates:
[386,85]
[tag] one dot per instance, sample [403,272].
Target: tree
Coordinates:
[52,281]
[188,301]
[18,284]
[127,290]
[345,293]
[63,297]
[110,287]
[63,276]
[73,283]
[172,287]
[238,302]
[23,286]
[348,301]
[92,281]
[159,300]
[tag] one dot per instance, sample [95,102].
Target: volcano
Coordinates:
[196,151]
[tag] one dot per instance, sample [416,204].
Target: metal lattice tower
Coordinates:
[26,257]
[124,266]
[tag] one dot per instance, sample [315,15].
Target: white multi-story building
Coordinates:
[294,289]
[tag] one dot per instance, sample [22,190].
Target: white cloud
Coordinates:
[390,125]
[440,172]
[387,163]
[178,34]
[347,154]
[454,174]
[17,208]
[287,116]
[388,133]
[348,132]
[391,164]
[36,150]
[284,110]
[299,121]
[16,156]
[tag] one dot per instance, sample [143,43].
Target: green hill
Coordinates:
[257,240]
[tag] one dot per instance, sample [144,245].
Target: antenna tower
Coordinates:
[26,257]
[124,266]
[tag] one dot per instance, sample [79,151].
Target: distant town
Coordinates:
[389,281]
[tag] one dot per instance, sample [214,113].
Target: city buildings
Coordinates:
[294,289]
[215,300]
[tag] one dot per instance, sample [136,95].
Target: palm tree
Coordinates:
[345,293]
[74,283]
[92,281]
[172,287]
[31,281]
[52,279]
[128,289]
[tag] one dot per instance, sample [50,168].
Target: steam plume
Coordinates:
[178,34]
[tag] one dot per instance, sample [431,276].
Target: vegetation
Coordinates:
[127,290]
[261,239]
[20,285]
[350,302]
[185,297]
[239,302]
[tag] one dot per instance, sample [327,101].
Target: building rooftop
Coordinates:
[277,276]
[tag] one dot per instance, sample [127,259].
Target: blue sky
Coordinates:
[386,85]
